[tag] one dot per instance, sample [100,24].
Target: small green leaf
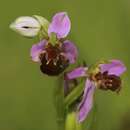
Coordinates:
[44,24]
[74,94]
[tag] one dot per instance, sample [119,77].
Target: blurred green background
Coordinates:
[100,29]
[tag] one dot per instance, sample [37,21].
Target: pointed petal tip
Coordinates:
[119,63]
[60,25]
[11,26]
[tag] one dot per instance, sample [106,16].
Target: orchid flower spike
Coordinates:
[105,76]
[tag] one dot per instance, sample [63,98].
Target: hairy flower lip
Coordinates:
[52,64]
[107,81]
[67,48]
[55,58]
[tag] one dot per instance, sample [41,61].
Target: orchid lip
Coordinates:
[107,81]
[54,59]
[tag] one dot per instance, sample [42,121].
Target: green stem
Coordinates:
[71,122]
[59,103]
[78,126]
[74,94]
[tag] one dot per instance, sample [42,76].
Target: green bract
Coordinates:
[44,25]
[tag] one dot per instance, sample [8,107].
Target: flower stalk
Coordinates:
[74,94]
[71,122]
[59,104]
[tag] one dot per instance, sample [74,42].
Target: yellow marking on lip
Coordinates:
[54,63]
[48,61]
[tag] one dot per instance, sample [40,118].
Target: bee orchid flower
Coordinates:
[106,77]
[54,59]
[53,52]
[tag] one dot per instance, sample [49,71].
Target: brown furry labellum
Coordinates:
[53,61]
[108,81]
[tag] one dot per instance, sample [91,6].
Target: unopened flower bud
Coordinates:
[26,26]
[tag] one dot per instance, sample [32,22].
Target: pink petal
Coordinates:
[60,25]
[70,51]
[87,101]
[76,73]
[115,67]
[37,49]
